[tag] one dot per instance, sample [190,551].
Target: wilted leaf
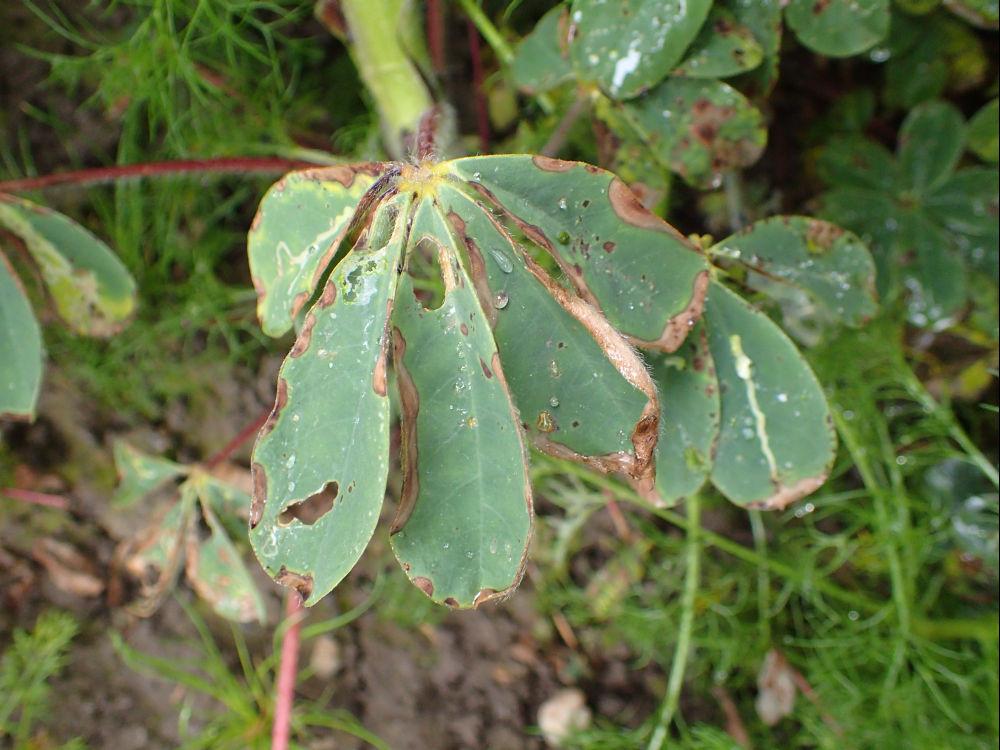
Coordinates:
[839,28]
[983,133]
[646,278]
[776,442]
[323,456]
[700,129]
[216,572]
[296,234]
[763,18]
[724,47]
[462,528]
[689,422]
[830,267]
[542,58]
[139,474]
[628,46]
[91,288]
[20,348]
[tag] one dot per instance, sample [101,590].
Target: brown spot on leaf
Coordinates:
[379,374]
[313,508]
[629,208]
[280,400]
[705,132]
[477,269]
[822,233]
[409,403]
[609,246]
[819,6]
[303,583]
[784,496]
[549,164]
[464,329]
[329,294]
[484,596]
[680,325]
[486,369]
[304,337]
[259,479]
[452,602]
[424,584]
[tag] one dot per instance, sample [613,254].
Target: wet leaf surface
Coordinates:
[321,438]
[724,47]
[776,442]
[296,234]
[838,28]
[629,46]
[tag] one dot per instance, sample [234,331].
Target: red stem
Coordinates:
[236,165]
[435,35]
[245,434]
[482,112]
[287,669]
[35,498]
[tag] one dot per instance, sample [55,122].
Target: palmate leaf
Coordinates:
[839,28]
[92,290]
[542,58]
[507,352]
[20,348]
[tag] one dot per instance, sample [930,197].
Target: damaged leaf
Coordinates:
[140,474]
[20,348]
[826,272]
[92,290]
[699,128]
[296,234]
[724,47]
[776,441]
[324,451]
[464,519]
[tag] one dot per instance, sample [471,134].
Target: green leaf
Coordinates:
[216,572]
[763,18]
[689,424]
[20,348]
[645,277]
[852,161]
[140,474]
[967,206]
[983,134]
[931,140]
[91,288]
[724,47]
[296,234]
[828,266]
[541,61]
[982,13]
[699,129]
[839,28]
[321,462]
[462,529]
[629,46]
[934,276]
[559,371]
[776,443]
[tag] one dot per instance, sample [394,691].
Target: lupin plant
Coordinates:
[510,294]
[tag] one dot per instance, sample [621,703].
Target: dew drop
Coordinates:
[502,260]
[553,402]
[501,300]
[563,204]
[554,370]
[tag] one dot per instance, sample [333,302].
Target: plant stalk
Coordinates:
[683,647]
[287,670]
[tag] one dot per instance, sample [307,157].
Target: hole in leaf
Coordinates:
[313,508]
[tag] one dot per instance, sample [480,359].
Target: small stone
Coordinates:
[325,657]
[563,713]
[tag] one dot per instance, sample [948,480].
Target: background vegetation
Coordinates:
[874,600]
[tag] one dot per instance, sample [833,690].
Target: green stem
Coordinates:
[503,50]
[763,578]
[881,502]
[683,647]
[955,431]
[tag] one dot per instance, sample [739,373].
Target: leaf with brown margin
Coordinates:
[646,278]
[296,235]
[776,442]
[582,392]
[462,530]
[331,422]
